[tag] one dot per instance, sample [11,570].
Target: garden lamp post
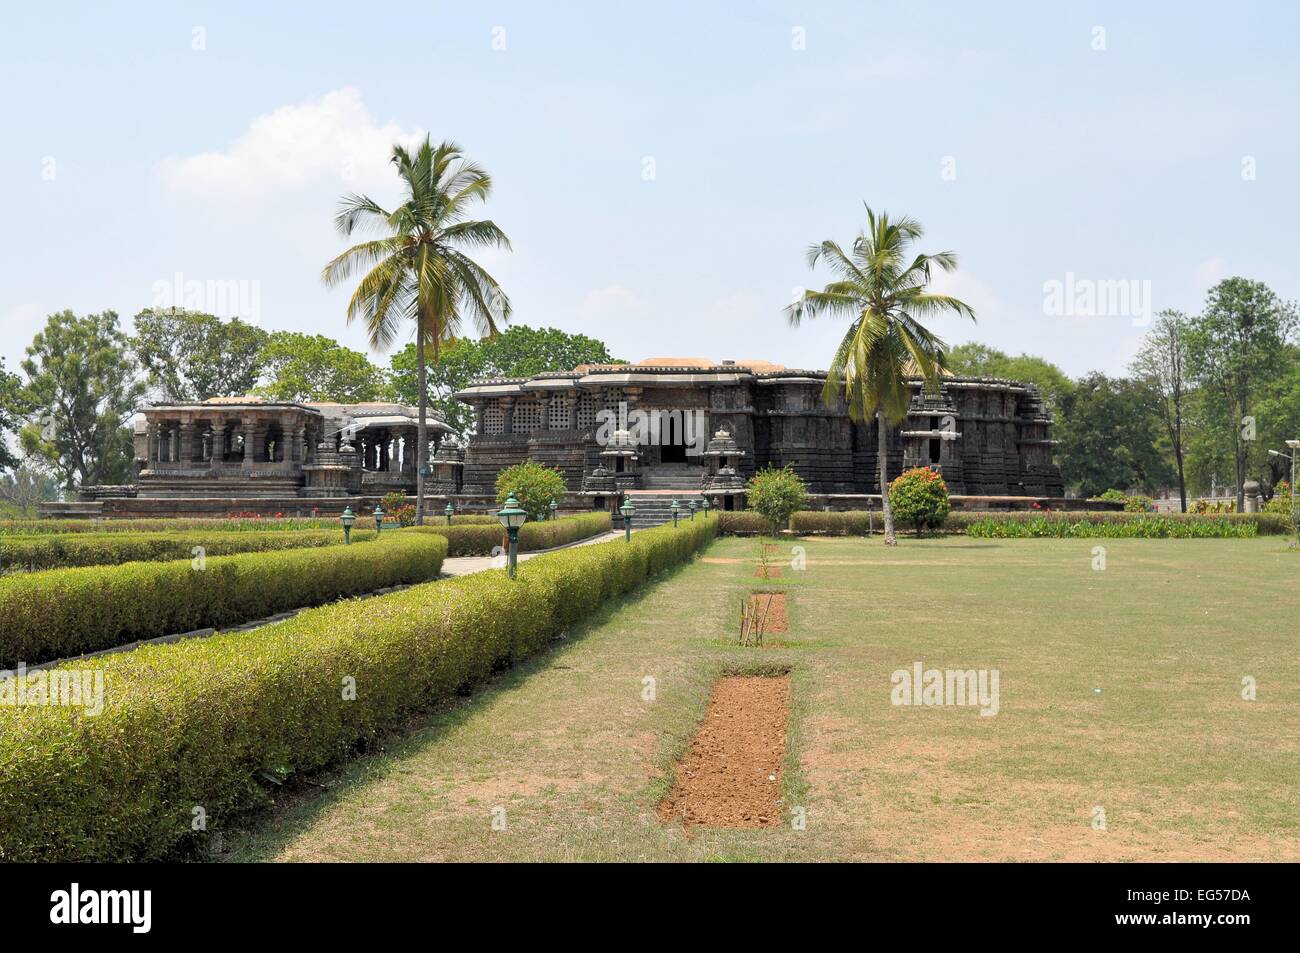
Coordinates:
[704,505]
[627,509]
[379,520]
[692,504]
[449,511]
[512,517]
[347,519]
[675,509]
[553,507]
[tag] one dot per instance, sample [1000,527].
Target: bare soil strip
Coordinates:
[770,608]
[731,774]
[768,572]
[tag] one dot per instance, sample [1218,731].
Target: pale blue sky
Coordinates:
[224,163]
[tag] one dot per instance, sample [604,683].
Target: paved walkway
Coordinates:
[464,565]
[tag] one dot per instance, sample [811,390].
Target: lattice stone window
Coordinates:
[613,397]
[494,419]
[588,404]
[528,416]
[561,415]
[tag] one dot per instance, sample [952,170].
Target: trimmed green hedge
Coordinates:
[33,553]
[1109,523]
[740,523]
[1113,525]
[235,524]
[65,612]
[480,540]
[855,523]
[202,723]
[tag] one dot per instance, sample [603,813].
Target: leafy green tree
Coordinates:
[776,494]
[533,485]
[1277,413]
[1234,348]
[1162,362]
[11,409]
[418,270]
[191,356]
[881,290]
[28,485]
[519,351]
[83,388]
[1110,436]
[314,367]
[980,360]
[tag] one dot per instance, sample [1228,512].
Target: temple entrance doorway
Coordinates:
[672,443]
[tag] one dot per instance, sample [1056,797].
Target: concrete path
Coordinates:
[464,565]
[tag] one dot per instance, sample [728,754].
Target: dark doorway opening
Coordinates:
[672,443]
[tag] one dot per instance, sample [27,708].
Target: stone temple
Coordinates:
[673,423]
[666,426]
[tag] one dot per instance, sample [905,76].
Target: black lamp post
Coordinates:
[553,507]
[347,519]
[512,517]
[704,505]
[692,504]
[627,509]
[449,511]
[675,509]
[379,520]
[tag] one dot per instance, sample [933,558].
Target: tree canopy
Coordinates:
[314,367]
[191,356]
[519,351]
[82,389]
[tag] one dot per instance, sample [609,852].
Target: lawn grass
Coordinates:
[567,746]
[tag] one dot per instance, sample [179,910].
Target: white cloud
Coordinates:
[1209,273]
[611,303]
[966,287]
[330,139]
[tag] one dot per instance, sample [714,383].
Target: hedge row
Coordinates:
[1118,525]
[231,524]
[1037,524]
[740,523]
[32,553]
[65,612]
[203,723]
[479,540]
[166,525]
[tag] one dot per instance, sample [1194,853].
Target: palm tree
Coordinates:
[417,270]
[883,293]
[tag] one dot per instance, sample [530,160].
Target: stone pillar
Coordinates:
[248,427]
[151,447]
[478,417]
[546,412]
[186,443]
[507,415]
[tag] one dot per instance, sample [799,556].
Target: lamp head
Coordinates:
[510,515]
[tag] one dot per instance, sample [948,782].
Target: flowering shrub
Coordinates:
[920,497]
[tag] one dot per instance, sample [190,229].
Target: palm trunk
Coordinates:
[421,430]
[882,465]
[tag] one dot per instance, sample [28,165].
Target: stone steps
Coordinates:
[656,509]
[672,477]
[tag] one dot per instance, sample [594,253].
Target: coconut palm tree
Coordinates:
[417,270]
[881,288]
